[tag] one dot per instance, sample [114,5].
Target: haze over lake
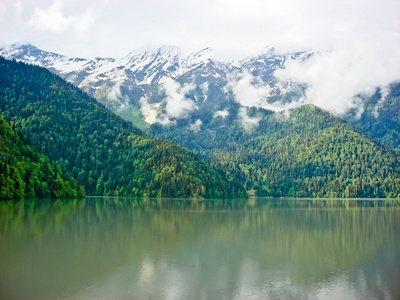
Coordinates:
[110,248]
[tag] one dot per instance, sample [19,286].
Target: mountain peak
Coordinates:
[199,57]
[30,54]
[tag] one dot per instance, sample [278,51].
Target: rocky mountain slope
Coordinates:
[134,86]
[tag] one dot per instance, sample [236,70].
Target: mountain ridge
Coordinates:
[120,84]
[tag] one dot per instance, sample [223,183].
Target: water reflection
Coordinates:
[109,248]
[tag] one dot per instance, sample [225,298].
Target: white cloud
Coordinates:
[145,107]
[234,28]
[384,93]
[196,125]
[249,90]
[18,10]
[248,123]
[204,87]
[165,121]
[221,113]
[178,106]
[292,25]
[54,20]
[335,78]
[149,112]
[114,94]
[3,10]
[282,115]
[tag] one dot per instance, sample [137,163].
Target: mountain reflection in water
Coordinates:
[117,248]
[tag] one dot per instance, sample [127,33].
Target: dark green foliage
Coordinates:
[381,117]
[106,154]
[309,154]
[25,173]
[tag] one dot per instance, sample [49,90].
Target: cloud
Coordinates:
[234,28]
[196,125]
[145,107]
[248,123]
[3,10]
[221,113]
[249,90]
[282,115]
[384,93]
[18,10]
[298,25]
[53,19]
[149,112]
[114,94]
[177,105]
[204,87]
[165,121]
[335,78]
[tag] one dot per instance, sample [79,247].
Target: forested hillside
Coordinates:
[310,153]
[26,173]
[381,116]
[106,154]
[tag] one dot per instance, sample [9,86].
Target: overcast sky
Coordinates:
[233,28]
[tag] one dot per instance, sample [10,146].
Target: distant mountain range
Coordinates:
[160,86]
[133,86]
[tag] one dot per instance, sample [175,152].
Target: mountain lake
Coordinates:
[120,248]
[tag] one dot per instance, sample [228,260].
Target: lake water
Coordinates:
[108,248]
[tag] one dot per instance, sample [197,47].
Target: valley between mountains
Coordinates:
[162,126]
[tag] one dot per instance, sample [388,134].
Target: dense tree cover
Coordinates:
[381,116]
[26,173]
[106,154]
[308,154]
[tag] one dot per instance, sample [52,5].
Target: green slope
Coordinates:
[26,173]
[106,154]
[381,117]
[311,153]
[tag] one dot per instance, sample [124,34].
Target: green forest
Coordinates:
[104,153]
[308,154]
[381,116]
[26,173]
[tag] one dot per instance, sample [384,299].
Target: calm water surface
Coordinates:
[107,248]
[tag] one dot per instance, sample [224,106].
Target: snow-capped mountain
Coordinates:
[266,63]
[138,81]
